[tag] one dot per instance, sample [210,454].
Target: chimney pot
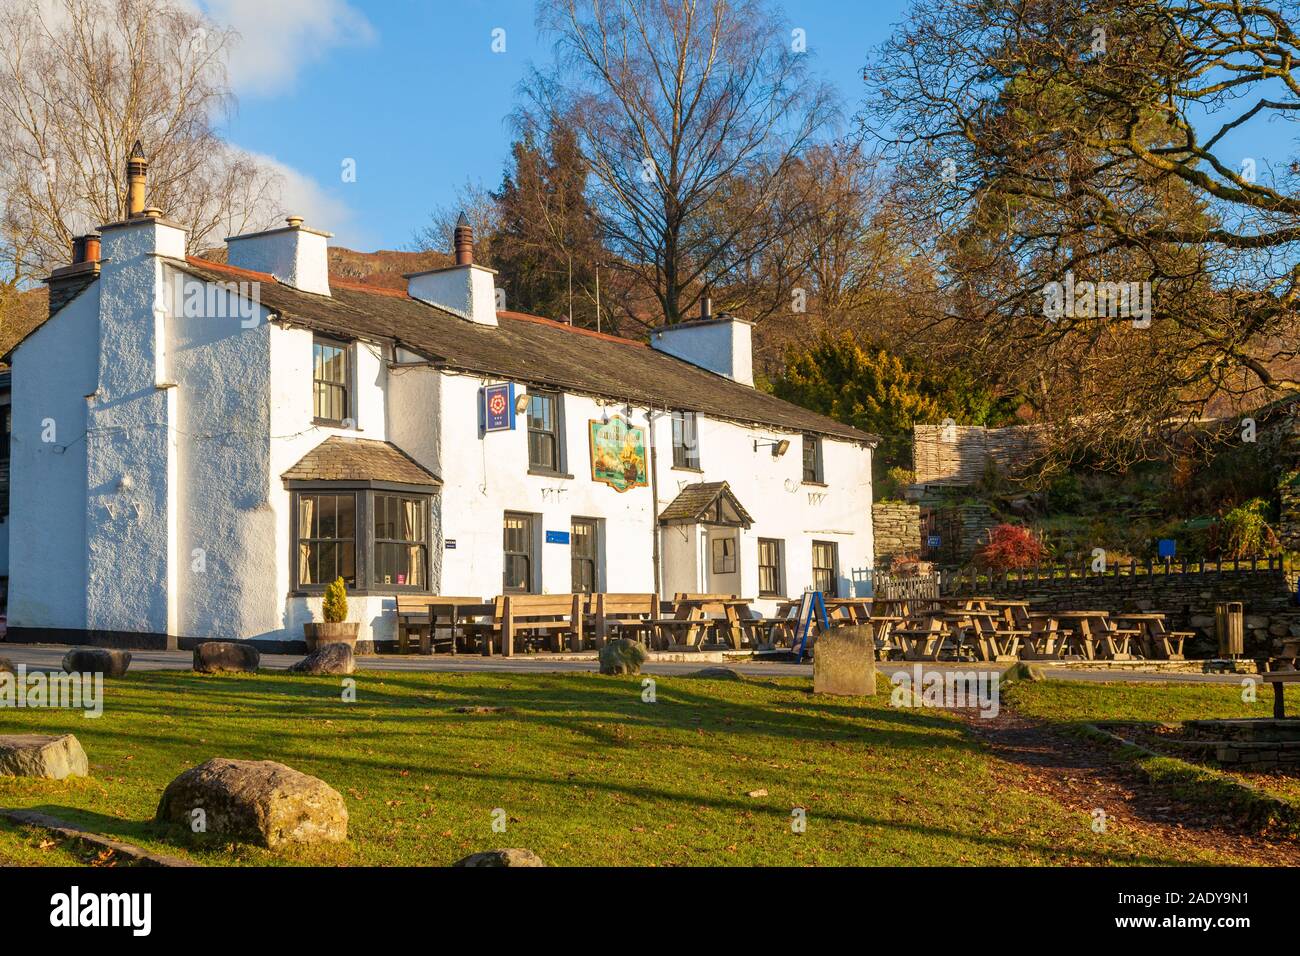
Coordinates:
[91,247]
[706,307]
[293,221]
[137,170]
[463,241]
[78,249]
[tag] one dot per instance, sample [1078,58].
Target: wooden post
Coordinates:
[575,638]
[507,626]
[1279,708]
[601,633]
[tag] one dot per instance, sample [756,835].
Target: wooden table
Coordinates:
[1156,638]
[691,617]
[1094,631]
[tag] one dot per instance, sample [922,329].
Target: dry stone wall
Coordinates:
[897,529]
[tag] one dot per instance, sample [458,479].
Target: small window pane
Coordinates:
[327,547]
[769,567]
[543,432]
[517,541]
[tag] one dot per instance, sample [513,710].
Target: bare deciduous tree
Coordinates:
[1049,139]
[689,114]
[80,82]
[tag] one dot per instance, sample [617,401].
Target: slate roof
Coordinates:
[359,459]
[710,502]
[528,349]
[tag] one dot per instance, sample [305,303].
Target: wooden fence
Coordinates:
[973,580]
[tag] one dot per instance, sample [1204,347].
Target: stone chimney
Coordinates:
[464,289]
[721,344]
[66,282]
[295,255]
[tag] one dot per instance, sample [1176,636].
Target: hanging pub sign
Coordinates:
[618,455]
[499,407]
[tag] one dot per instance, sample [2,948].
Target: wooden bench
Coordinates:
[413,614]
[621,615]
[522,615]
[1279,680]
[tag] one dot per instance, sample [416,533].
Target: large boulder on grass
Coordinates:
[718,673]
[330,659]
[40,755]
[510,857]
[621,656]
[97,660]
[256,801]
[226,657]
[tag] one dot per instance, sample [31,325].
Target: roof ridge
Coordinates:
[375,289]
[226,267]
[541,320]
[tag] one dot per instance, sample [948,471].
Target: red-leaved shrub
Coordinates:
[1010,546]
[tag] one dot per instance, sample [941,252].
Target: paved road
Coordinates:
[49,657]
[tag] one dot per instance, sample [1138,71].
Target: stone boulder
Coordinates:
[42,755]
[256,801]
[226,657]
[844,662]
[621,656]
[510,857]
[97,660]
[328,659]
[719,673]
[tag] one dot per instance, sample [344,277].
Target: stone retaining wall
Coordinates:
[897,529]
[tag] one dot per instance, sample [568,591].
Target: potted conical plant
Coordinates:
[336,628]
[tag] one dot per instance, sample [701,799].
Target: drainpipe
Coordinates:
[654,505]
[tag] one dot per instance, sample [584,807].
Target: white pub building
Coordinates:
[197,449]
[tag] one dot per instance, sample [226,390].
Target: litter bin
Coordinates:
[1229,625]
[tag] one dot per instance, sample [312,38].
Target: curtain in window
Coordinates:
[306,507]
[413,531]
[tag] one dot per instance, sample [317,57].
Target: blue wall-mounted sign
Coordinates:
[499,407]
[933,541]
[557,537]
[1168,548]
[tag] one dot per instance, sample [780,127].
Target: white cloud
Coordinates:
[279,37]
[300,195]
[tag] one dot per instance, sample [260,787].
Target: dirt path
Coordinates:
[1085,776]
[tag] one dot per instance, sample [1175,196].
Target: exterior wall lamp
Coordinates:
[779,447]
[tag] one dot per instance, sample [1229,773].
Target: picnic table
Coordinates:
[1154,634]
[1093,633]
[848,611]
[1279,680]
[691,619]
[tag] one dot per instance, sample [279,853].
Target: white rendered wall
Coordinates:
[294,434]
[53,371]
[226,527]
[484,479]
[467,291]
[130,444]
[722,346]
[297,257]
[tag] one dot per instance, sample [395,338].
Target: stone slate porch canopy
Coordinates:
[707,502]
[360,460]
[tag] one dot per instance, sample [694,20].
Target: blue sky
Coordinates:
[413,92]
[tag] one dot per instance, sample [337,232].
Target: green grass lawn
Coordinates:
[585,771]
